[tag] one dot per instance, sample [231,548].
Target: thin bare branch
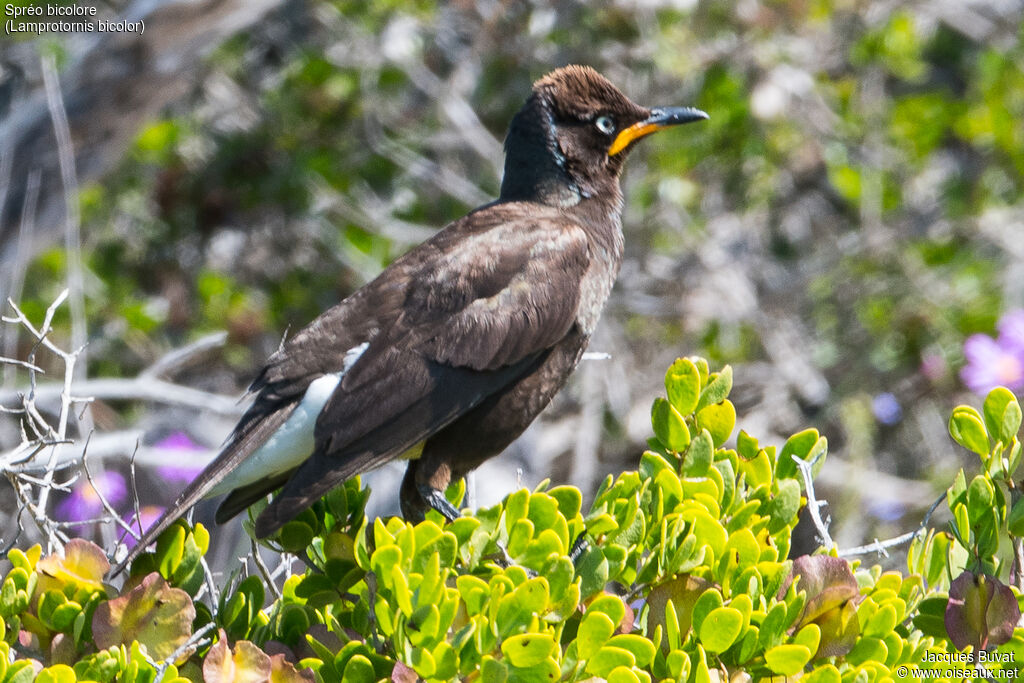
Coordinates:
[72,222]
[195,641]
[881,547]
[813,504]
[9,335]
[111,512]
[264,572]
[140,389]
[173,360]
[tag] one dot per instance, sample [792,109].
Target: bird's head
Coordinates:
[570,139]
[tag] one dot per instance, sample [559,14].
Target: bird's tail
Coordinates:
[239,447]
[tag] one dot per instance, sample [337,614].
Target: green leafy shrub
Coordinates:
[679,571]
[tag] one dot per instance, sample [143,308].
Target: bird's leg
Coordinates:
[420,492]
[436,500]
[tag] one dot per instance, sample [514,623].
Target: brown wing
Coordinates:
[481,309]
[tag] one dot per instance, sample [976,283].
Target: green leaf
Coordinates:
[719,419]
[1002,414]
[593,570]
[607,659]
[359,669]
[787,660]
[720,628]
[967,429]
[295,536]
[807,445]
[867,650]
[930,619]
[641,648]
[773,626]
[569,499]
[169,549]
[708,529]
[493,670]
[611,605]
[682,385]
[20,672]
[669,426]
[980,495]
[826,673]
[1015,522]
[757,470]
[58,673]
[699,455]
[528,649]
[785,505]
[678,663]
[881,622]
[705,604]
[594,631]
[718,388]
[623,674]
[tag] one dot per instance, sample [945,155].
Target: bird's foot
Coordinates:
[436,500]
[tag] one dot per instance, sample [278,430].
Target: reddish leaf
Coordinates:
[683,591]
[403,674]
[153,613]
[283,671]
[832,598]
[247,664]
[981,612]
[82,564]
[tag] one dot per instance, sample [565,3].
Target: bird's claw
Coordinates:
[579,546]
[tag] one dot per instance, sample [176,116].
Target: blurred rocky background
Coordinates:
[846,230]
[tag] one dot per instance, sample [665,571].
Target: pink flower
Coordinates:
[181,463]
[1011,332]
[992,363]
[84,502]
[147,517]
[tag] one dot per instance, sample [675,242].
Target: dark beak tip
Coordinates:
[671,116]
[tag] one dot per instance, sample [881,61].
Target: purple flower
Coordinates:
[84,502]
[886,408]
[147,517]
[1011,332]
[887,510]
[181,465]
[991,363]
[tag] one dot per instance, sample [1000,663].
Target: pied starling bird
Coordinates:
[452,351]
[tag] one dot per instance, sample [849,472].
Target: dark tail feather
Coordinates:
[241,498]
[239,447]
[189,497]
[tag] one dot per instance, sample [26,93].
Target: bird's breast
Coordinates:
[596,286]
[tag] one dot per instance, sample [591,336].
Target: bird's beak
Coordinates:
[661,117]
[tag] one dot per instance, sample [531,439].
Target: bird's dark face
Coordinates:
[570,139]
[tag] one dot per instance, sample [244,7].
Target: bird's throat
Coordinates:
[535,168]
